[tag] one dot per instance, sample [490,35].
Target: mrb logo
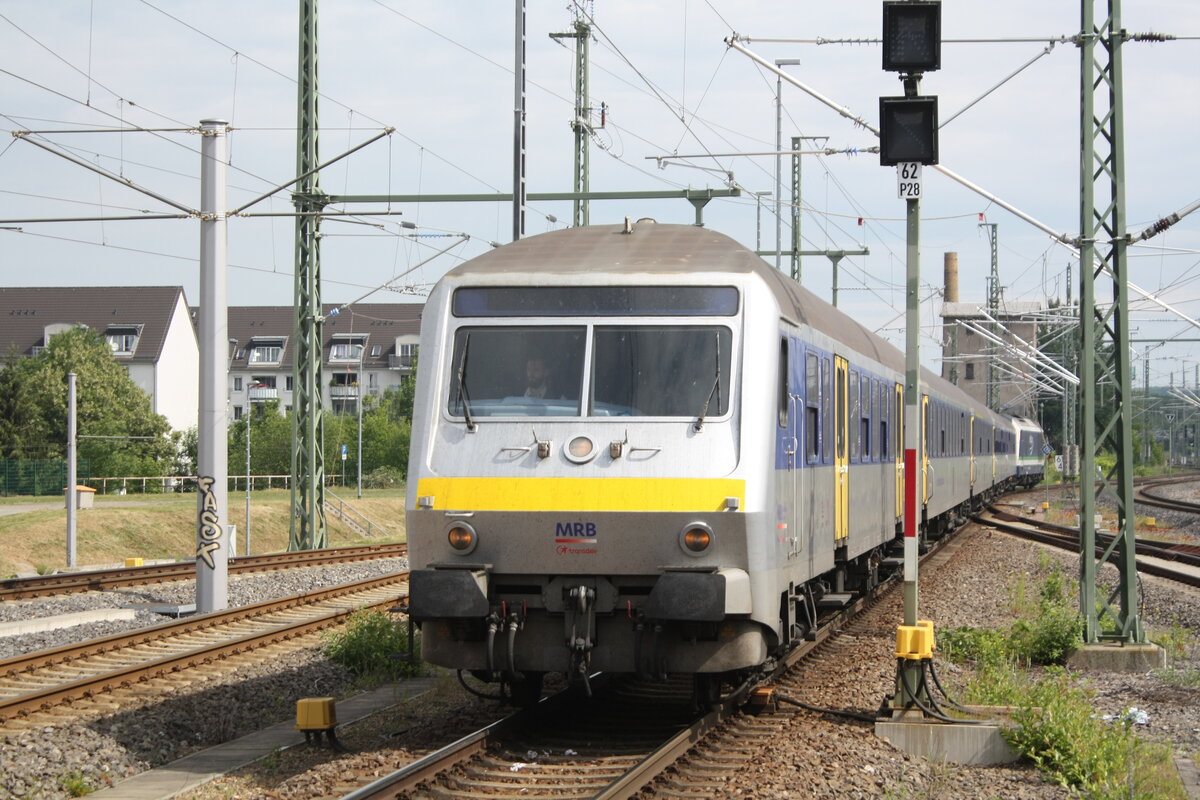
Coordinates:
[575,538]
[574,531]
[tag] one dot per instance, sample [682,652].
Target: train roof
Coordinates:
[671,249]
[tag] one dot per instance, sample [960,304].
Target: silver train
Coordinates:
[640,449]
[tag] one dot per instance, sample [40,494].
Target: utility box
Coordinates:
[85,496]
[316,714]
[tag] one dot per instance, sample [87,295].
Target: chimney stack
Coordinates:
[950,267]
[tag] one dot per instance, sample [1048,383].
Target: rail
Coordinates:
[1067,538]
[39,681]
[100,580]
[615,765]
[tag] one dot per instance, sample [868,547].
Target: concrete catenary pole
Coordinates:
[212,467]
[72,478]
[519,123]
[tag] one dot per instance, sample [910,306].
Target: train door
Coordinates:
[972,441]
[992,450]
[841,458]
[788,446]
[925,434]
[898,449]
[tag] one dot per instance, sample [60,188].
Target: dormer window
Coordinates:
[266,351]
[347,347]
[123,339]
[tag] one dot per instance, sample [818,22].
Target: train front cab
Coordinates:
[603,529]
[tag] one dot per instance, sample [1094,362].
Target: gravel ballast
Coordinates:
[162,727]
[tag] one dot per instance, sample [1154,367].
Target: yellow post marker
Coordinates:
[915,642]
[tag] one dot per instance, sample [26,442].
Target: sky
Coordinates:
[441,74]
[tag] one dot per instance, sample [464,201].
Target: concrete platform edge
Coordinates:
[1189,775]
[198,768]
[956,743]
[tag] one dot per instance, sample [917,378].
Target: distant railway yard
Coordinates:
[66,725]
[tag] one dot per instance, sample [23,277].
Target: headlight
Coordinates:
[462,538]
[696,538]
[580,450]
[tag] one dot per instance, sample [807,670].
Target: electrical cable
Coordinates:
[476,692]
[854,715]
[912,695]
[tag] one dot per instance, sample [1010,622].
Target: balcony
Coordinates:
[257,394]
[338,390]
[400,362]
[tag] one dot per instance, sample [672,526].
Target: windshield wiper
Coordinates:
[462,385]
[716,390]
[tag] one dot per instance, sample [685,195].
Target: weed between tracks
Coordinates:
[1055,724]
[368,645]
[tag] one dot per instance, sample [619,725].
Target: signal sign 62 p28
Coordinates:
[908,180]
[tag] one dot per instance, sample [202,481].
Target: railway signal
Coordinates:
[907,140]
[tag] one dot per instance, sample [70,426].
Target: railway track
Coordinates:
[100,580]
[83,674]
[1146,495]
[611,747]
[1067,538]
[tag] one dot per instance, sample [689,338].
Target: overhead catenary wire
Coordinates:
[1057,236]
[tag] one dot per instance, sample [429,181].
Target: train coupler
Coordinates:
[580,624]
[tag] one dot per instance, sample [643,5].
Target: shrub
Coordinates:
[366,644]
[1047,632]
[1047,638]
[1055,728]
[383,478]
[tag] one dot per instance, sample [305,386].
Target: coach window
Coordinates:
[885,415]
[826,410]
[962,433]
[812,398]
[865,423]
[854,414]
[784,389]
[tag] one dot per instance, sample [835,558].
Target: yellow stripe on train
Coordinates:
[582,494]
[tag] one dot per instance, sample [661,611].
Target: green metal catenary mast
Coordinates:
[1104,331]
[307,530]
[993,304]
[581,125]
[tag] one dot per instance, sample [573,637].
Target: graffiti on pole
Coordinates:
[210,528]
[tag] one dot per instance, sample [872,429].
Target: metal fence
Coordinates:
[26,477]
[181,483]
[31,477]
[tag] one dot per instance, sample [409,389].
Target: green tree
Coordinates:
[397,402]
[108,404]
[270,441]
[386,431]
[22,429]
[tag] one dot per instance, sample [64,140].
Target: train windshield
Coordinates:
[660,371]
[635,370]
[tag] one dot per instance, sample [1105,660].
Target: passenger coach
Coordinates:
[640,449]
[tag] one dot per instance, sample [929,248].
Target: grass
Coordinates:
[164,527]
[1055,725]
[1182,645]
